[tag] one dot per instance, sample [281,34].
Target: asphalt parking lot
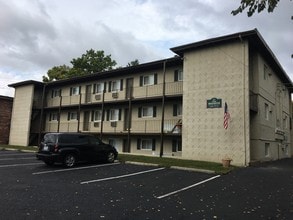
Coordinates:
[31,190]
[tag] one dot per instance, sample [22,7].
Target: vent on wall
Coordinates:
[115,95]
[113,123]
[98,97]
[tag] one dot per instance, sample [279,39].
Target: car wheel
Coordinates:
[69,160]
[49,163]
[110,157]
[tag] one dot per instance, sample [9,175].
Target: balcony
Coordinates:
[140,92]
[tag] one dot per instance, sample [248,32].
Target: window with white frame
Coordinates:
[75,90]
[147,80]
[147,111]
[114,115]
[178,75]
[115,85]
[98,115]
[99,87]
[53,117]
[177,109]
[72,116]
[56,93]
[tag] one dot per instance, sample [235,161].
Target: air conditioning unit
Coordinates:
[115,95]
[96,124]
[113,123]
[98,97]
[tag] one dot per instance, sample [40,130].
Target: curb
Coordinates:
[172,167]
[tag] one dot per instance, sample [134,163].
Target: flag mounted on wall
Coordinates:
[226,116]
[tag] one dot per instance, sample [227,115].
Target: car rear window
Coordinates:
[50,138]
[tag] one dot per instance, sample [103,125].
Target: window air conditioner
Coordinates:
[96,124]
[115,95]
[98,97]
[113,123]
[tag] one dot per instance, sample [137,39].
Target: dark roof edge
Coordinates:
[6,97]
[27,82]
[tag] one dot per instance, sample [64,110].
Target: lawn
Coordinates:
[160,161]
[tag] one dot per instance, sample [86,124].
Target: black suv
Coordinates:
[69,148]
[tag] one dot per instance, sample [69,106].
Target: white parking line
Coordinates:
[19,158]
[76,168]
[16,165]
[122,176]
[186,188]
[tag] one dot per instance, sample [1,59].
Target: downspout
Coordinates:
[103,112]
[163,110]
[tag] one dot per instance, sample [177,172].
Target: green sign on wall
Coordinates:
[214,103]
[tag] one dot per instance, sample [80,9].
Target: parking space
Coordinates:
[33,190]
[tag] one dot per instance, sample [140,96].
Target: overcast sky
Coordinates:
[36,35]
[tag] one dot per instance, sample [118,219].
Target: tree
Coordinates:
[90,62]
[57,73]
[133,63]
[255,5]
[93,61]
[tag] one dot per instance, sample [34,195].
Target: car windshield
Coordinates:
[49,138]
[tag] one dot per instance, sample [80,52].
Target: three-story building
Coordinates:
[172,107]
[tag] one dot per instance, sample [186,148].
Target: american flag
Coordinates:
[226,116]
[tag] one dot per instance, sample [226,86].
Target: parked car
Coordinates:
[69,148]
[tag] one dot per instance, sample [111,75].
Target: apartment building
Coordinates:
[172,107]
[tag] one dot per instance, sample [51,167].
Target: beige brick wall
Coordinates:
[220,72]
[21,116]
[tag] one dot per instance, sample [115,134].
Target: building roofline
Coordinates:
[119,71]
[6,97]
[27,82]
[255,40]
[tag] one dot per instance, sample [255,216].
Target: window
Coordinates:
[146,144]
[148,80]
[114,114]
[266,72]
[176,145]
[75,90]
[267,149]
[285,122]
[177,109]
[99,88]
[147,111]
[72,116]
[178,75]
[115,86]
[267,111]
[56,93]
[98,115]
[53,117]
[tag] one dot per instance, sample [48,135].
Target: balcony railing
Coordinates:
[171,126]
[172,88]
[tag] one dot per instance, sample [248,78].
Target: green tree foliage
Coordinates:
[133,63]
[90,62]
[57,73]
[255,5]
